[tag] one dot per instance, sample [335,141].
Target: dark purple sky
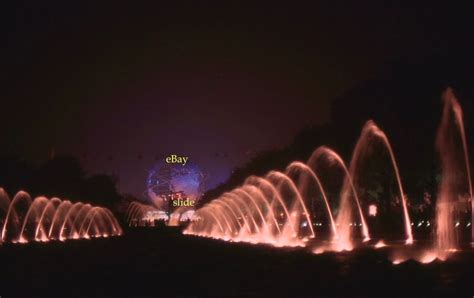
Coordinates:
[121,86]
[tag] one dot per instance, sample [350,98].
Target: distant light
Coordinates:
[373,210]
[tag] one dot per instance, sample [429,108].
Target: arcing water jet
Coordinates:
[273,209]
[449,188]
[344,217]
[371,129]
[44,219]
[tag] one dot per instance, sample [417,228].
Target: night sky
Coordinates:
[122,86]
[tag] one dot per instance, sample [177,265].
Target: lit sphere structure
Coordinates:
[167,182]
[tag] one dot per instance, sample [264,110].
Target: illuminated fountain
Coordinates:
[263,210]
[344,217]
[275,209]
[454,183]
[24,220]
[141,215]
[370,133]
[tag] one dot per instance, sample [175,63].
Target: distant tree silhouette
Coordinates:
[61,177]
[101,189]
[15,173]
[405,101]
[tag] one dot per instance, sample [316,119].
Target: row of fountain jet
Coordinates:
[140,215]
[274,209]
[23,219]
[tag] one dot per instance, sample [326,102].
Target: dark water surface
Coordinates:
[163,263]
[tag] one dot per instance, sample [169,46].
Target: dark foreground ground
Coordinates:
[163,263]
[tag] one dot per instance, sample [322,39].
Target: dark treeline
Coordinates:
[61,177]
[405,101]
